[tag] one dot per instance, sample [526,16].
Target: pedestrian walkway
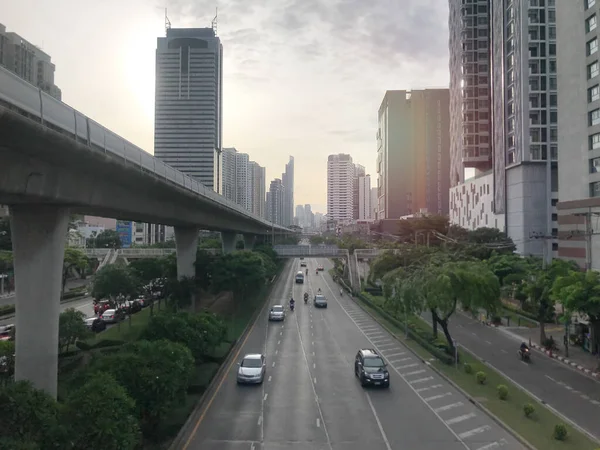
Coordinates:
[578,358]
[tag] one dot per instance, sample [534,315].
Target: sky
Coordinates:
[301,77]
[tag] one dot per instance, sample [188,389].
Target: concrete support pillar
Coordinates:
[186,241]
[249,241]
[2,285]
[38,236]
[229,240]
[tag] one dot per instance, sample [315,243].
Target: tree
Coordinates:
[241,272]
[74,259]
[105,239]
[30,417]
[5,235]
[207,243]
[155,374]
[71,327]
[316,240]
[148,269]
[100,414]
[6,261]
[204,267]
[580,292]
[431,223]
[113,281]
[7,361]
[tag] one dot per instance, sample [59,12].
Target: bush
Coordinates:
[7,310]
[528,409]
[468,368]
[502,392]
[560,432]
[481,377]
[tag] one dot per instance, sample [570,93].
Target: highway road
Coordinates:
[311,400]
[571,393]
[85,305]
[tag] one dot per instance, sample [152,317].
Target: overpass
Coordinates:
[55,161]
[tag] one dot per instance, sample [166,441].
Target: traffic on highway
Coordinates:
[332,378]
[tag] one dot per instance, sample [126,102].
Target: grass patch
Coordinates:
[516,320]
[537,429]
[124,332]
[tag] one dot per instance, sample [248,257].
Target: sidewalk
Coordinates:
[578,358]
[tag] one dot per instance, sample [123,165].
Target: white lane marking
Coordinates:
[406,366]
[474,431]
[273,364]
[265,397]
[378,333]
[276,351]
[460,418]
[270,377]
[491,446]
[396,361]
[393,344]
[435,397]
[313,353]
[314,366]
[450,406]
[281,333]
[278,342]
[503,351]
[474,334]
[585,397]
[312,343]
[523,362]
[252,446]
[550,378]
[315,380]
[595,402]
[410,384]
[391,355]
[410,374]
[318,423]
[383,435]
[488,342]
[435,386]
[259,420]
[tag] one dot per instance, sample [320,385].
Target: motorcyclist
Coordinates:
[317,272]
[319,291]
[306,297]
[306,272]
[292,303]
[523,347]
[341,292]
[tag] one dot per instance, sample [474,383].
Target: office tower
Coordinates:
[374,202]
[579,138]
[470,107]
[340,188]
[275,202]
[310,217]
[243,178]
[28,62]
[229,161]
[300,218]
[363,186]
[188,103]
[259,181]
[413,154]
[525,117]
[287,178]
[359,171]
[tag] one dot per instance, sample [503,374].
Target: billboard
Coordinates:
[125,230]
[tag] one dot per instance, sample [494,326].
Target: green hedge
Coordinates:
[412,332]
[6,310]
[526,314]
[82,345]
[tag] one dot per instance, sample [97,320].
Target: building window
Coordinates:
[591,23]
[594,117]
[589,3]
[592,46]
[595,189]
[553,117]
[592,70]
[595,141]
[554,152]
[593,93]
[594,165]
[553,135]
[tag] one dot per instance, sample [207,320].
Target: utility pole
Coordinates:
[547,255]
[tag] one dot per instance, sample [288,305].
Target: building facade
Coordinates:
[228,171]
[258,187]
[287,178]
[275,202]
[28,62]
[359,171]
[413,153]
[579,138]
[340,188]
[243,178]
[188,103]
[363,186]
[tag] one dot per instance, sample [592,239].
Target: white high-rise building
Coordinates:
[275,202]
[374,203]
[229,189]
[364,197]
[258,187]
[243,178]
[287,178]
[244,181]
[340,187]
[359,171]
[188,103]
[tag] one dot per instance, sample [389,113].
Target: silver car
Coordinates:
[252,368]
[277,313]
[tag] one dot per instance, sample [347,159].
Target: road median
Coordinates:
[533,423]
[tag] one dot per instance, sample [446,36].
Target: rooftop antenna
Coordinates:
[167,22]
[214,21]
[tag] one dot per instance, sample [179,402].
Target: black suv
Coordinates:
[370,368]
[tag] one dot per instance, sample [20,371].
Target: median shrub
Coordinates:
[502,392]
[468,368]
[481,377]
[528,409]
[560,432]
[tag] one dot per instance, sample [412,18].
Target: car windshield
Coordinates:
[373,362]
[320,297]
[251,362]
[277,309]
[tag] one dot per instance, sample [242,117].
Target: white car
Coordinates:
[111,316]
[277,312]
[252,368]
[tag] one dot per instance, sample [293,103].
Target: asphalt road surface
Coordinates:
[85,305]
[571,393]
[311,400]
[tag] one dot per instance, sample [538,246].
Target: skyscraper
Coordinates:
[243,181]
[258,186]
[275,202]
[28,62]
[309,216]
[300,218]
[363,186]
[340,187]
[229,164]
[287,179]
[413,154]
[359,171]
[188,103]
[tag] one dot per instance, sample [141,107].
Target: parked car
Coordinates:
[95,324]
[113,315]
[101,306]
[6,332]
[252,369]
[131,307]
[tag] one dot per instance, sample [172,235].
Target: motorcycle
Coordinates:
[305,298]
[341,292]
[292,307]
[306,272]
[525,354]
[316,272]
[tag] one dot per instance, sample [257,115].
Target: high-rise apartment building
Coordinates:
[28,62]
[188,103]
[229,164]
[579,138]
[258,186]
[413,154]
[340,187]
[300,218]
[243,181]
[470,107]
[363,186]
[275,202]
[359,171]
[309,216]
[287,178]
[374,203]
[522,90]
